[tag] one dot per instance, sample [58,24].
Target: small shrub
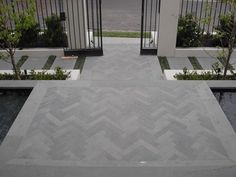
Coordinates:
[224,29]
[189,31]
[29,37]
[54,35]
[214,74]
[59,75]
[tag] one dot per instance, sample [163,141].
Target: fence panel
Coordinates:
[204,9]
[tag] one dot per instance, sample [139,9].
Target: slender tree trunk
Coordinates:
[16,70]
[230,49]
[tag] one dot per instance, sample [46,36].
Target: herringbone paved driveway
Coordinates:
[119,123]
[121,61]
[92,128]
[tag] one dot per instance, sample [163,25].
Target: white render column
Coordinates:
[76,23]
[169,14]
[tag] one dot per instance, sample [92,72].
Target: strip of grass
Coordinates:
[195,63]
[223,62]
[22,61]
[164,63]
[79,64]
[123,34]
[49,62]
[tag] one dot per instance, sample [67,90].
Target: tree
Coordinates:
[229,35]
[12,23]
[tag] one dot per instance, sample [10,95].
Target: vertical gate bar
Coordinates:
[22,5]
[55,3]
[214,17]
[92,10]
[50,2]
[192,7]
[79,29]
[201,12]
[88,23]
[208,29]
[41,8]
[68,17]
[10,22]
[100,10]
[155,26]
[182,6]
[226,4]
[73,23]
[46,7]
[97,31]
[37,12]
[186,11]
[142,13]
[150,28]
[145,33]
[221,5]
[83,5]
[197,8]
[205,16]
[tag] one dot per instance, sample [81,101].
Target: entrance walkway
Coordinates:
[121,61]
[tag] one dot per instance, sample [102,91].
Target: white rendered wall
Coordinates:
[168,27]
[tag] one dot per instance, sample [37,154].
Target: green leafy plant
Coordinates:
[60,74]
[30,36]
[189,31]
[54,35]
[9,38]
[214,74]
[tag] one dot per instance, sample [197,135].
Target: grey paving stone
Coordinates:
[207,62]
[7,65]
[233,62]
[34,63]
[179,63]
[65,64]
[95,128]
[121,61]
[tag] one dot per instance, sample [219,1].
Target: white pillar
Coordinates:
[169,14]
[76,23]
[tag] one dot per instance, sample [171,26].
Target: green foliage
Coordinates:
[164,63]
[59,75]
[189,31]
[224,29]
[23,21]
[54,35]
[30,36]
[214,74]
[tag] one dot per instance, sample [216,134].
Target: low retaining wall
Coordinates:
[169,74]
[74,74]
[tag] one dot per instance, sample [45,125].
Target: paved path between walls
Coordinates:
[121,61]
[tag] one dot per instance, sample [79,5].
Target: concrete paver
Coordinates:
[179,63]
[207,63]
[116,128]
[7,65]
[121,61]
[64,64]
[34,63]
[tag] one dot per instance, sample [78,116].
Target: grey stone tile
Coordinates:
[121,61]
[207,62]
[65,64]
[7,65]
[34,63]
[179,63]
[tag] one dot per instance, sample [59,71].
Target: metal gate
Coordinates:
[84,27]
[150,27]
